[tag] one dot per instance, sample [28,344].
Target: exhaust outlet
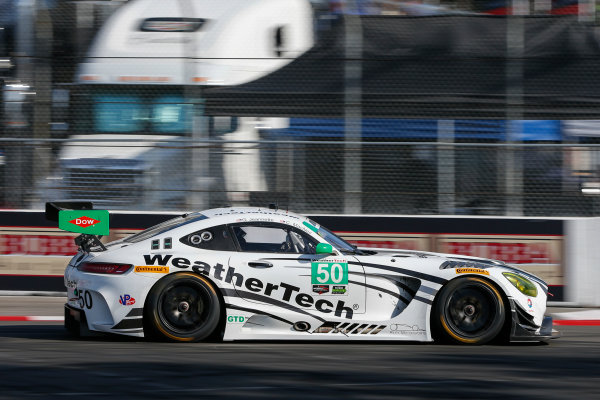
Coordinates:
[301,326]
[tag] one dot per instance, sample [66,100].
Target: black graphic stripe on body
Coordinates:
[424,300]
[360,328]
[129,324]
[254,296]
[396,295]
[404,271]
[369,329]
[254,311]
[135,312]
[339,328]
[397,282]
[132,331]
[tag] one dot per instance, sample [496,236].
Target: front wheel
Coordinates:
[182,307]
[469,310]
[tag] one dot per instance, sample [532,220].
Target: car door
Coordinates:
[278,265]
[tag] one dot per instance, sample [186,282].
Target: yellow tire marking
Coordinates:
[158,325]
[447,328]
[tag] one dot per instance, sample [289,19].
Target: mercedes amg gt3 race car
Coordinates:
[259,273]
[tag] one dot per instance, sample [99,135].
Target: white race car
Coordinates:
[260,273]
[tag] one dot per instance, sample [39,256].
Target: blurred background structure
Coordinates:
[476,107]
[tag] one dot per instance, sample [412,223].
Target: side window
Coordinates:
[302,243]
[214,238]
[272,239]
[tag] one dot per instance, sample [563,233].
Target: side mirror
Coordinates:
[324,248]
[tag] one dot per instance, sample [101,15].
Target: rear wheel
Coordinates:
[469,310]
[182,307]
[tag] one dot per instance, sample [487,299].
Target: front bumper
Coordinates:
[74,319]
[524,330]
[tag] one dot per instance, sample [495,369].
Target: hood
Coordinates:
[446,261]
[427,254]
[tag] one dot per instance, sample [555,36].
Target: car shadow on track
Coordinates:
[58,332]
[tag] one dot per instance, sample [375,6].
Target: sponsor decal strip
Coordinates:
[151,268]
[404,271]
[472,271]
[254,311]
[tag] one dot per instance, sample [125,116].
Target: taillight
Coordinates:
[104,268]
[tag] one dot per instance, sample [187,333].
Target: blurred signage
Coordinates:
[540,254]
[41,245]
[417,242]
[510,251]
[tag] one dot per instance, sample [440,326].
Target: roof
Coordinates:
[249,213]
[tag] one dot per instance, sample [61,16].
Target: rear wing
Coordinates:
[80,217]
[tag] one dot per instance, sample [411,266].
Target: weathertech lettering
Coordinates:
[283,291]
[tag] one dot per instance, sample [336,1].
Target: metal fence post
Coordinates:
[446,168]
[515,47]
[352,114]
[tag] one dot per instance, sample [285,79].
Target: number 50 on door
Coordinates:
[329,273]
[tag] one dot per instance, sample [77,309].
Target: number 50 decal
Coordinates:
[329,273]
[85,299]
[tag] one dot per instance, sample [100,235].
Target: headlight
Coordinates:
[522,284]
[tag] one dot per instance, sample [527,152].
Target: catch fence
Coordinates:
[308,176]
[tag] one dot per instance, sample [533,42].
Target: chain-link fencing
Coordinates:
[310,176]
[319,110]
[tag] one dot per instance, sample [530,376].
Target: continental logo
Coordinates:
[151,268]
[471,271]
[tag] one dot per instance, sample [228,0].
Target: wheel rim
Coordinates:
[471,310]
[184,307]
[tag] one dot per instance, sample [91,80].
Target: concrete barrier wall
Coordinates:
[582,261]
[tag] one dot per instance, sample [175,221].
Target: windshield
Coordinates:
[333,239]
[131,114]
[165,226]
[162,111]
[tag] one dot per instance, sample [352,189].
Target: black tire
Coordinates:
[182,307]
[468,310]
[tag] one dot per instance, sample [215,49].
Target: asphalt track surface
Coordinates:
[40,360]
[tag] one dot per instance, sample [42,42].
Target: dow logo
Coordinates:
[94,222]
[84,221]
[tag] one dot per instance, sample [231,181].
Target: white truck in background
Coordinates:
[138,100]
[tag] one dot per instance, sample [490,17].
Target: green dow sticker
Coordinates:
[329,273]
[94,222]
